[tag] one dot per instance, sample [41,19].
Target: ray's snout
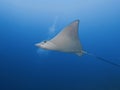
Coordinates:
[37,44]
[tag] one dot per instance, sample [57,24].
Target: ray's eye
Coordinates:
[44,41]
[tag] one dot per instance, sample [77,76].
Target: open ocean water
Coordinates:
[23,23]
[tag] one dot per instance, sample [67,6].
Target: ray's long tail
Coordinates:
[101,58]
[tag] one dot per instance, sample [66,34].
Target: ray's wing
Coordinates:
[68,39]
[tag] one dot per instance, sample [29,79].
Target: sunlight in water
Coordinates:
[53,27]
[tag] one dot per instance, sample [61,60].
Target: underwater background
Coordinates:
[23,23]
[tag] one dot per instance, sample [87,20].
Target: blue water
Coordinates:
[26,22]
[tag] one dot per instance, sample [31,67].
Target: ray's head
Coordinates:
[42,44]
[48,45]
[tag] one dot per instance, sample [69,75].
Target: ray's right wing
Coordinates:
[68,38]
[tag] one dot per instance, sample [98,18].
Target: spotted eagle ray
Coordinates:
[68,41]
